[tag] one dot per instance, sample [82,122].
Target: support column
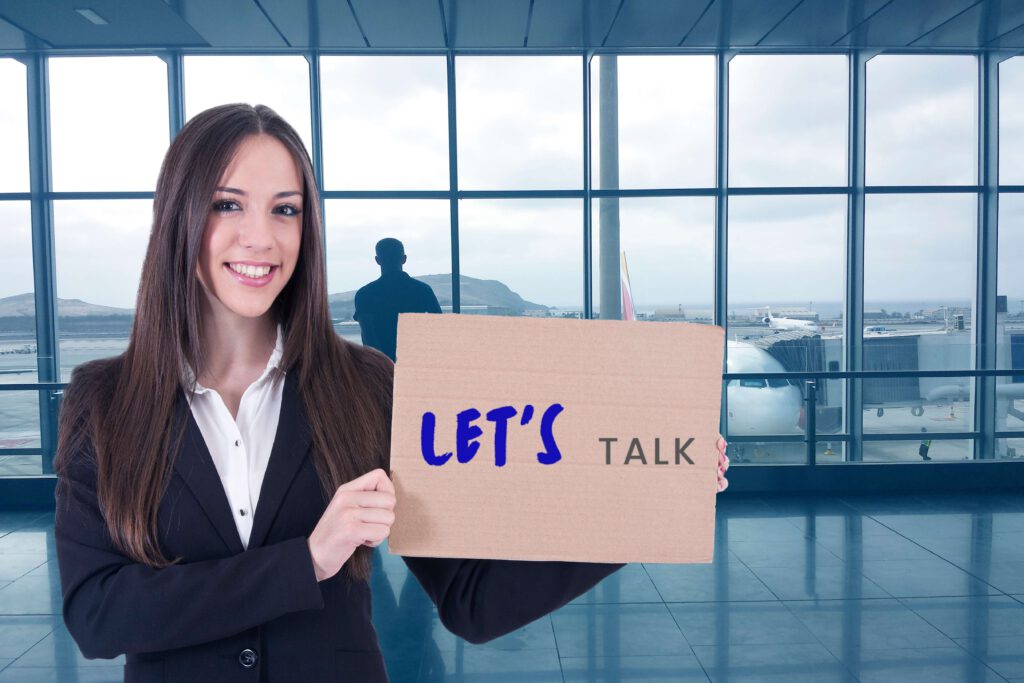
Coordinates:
[44,283]
[608,132]
[853,315]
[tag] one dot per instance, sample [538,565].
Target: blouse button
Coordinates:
[237,443]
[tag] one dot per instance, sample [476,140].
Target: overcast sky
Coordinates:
[520,127]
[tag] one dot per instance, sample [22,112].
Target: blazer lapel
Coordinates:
[291,447]
[195,466]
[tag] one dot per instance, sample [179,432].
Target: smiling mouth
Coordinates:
[252,275]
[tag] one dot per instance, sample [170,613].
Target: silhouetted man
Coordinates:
[379,302]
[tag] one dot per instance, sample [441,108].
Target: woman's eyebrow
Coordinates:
[243,193]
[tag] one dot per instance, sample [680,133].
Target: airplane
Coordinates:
[789,323]
[760,406]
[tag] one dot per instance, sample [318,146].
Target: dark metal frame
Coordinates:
[42,196]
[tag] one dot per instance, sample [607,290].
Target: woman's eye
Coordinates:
[226,205]
[288,210]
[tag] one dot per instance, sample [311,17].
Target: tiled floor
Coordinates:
[880,588]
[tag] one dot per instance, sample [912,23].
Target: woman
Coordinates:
[222,482]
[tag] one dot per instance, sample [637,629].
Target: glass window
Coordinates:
[787,120]
[795,285]
[668,145]
[669,253]
[1010,323]
[1011,282]
[17,298]
[922,120]
[1011,448]
[281,82]
[919,265]
[108,119]
[19,428]
[925,450]
[100,245]
[521,257]
[19,410]
[520,122]
[393,138]
[784,313]
[354,226]
[13,127]
[1011,122]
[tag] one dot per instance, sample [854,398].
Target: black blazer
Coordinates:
[226,614]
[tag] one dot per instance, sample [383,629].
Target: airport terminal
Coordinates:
[836,185]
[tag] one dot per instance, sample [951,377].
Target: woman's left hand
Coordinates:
[723,464]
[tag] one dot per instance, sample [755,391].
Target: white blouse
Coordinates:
[241,448]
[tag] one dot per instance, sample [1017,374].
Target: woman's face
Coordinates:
[254,230]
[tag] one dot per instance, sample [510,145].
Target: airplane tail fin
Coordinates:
[628,310]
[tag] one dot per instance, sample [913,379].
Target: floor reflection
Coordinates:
[867,588]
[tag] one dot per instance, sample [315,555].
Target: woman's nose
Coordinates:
[256,232]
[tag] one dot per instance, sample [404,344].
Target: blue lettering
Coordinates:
[466,434]
[427,441]
[500,418]
[551,455]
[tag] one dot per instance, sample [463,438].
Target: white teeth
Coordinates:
[250,271]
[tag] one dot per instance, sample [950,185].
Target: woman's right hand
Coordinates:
[360,513]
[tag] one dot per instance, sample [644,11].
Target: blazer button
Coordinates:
[247,658]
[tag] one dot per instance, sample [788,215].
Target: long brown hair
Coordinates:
[121,410]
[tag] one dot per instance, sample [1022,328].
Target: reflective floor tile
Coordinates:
[19,634]
[30,595]
[617,630]
[12,521]
[840,526]
[847,627]
[59,649]
[666,669]
[629,584]
[707,582]
[917,526]
[974,616]
[538,635]
[757,529]
[877,547]
[801,663]
[30,542]
[1004,654]
[818,582]
[63,675]
[1008,547]
[14,566]
[922,665]
[534,666]
[739,623]
[923,578]
[769,553]
[1006,576]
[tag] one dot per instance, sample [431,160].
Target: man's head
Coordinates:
[390,254]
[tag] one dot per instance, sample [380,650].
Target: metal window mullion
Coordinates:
[453,184]
[588,273]
[175,92]
[43,268]
[722,213]
[984,322]
[316,129]
[854,310]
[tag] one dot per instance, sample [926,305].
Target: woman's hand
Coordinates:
[360,513]
[723,464]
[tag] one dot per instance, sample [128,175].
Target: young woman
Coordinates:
[222,482]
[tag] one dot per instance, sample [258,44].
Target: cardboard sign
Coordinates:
[555,439]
